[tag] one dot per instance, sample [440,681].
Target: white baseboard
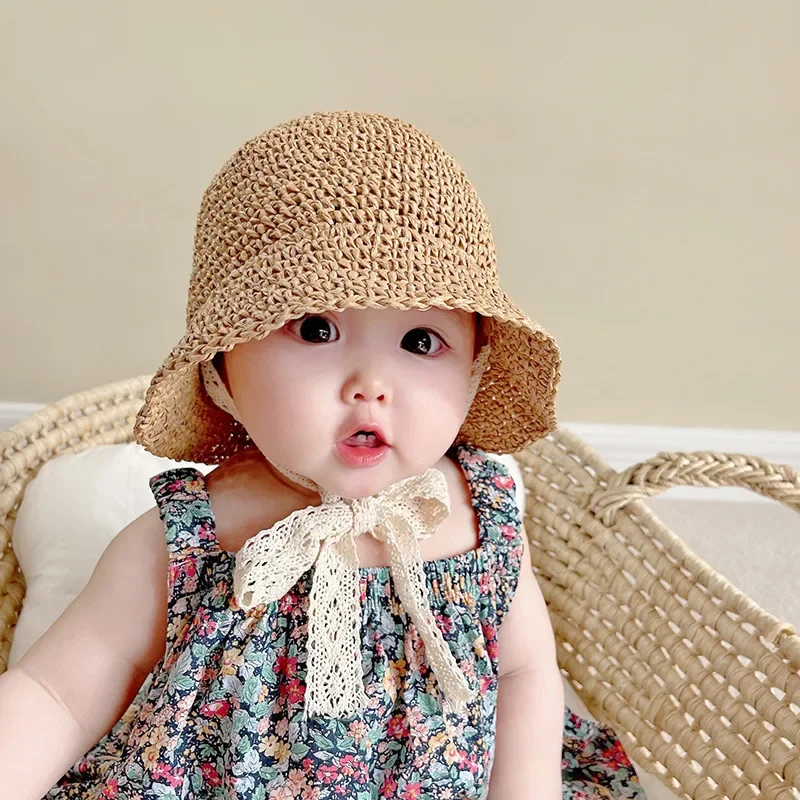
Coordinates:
[624,445]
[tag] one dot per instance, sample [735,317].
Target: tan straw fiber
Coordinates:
[333,211]
[702,685]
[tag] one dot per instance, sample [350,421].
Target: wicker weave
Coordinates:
[701,684]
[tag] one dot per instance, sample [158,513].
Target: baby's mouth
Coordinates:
[364,439]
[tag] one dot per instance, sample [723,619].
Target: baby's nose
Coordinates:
[362,388]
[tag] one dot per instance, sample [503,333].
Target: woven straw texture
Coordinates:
[333,211]
[701,684]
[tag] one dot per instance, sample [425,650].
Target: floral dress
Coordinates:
[221,715]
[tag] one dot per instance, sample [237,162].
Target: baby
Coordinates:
[345,606]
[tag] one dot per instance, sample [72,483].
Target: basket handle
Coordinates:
[776,481]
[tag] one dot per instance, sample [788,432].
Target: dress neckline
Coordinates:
[460,452]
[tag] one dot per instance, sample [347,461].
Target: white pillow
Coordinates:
[70,511]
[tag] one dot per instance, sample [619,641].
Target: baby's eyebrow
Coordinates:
[466,321]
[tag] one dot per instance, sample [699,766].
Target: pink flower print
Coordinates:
[509,532]
[282,793]
[413,791]
[164,772]
[398,727]
[296,781]
[348,765]
[210,774]
[327,773]
[294,691]
[177,778]
[357,730]
[445,623]
[216,708]
[111,789]
[388,787]
[486,682]
[471,459]
[413,716]
[361,773]
[468,761]
[204,532]
[287,603]
[206,625]
[285,665]
[490,640]
[503,481]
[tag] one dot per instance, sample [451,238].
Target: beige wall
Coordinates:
[640,162]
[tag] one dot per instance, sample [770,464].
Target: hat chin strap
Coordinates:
[218,392]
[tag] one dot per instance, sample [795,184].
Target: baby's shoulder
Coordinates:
[246,498]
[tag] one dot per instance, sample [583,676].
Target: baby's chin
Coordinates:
[354,483]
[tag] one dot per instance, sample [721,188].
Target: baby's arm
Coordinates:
[530,705]
[76,681]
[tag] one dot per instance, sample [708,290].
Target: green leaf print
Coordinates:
[261,709]
[260,793]
[254,656]
[240,720]
[438,771]
[184,682]
[250,690]
[162,790]
[429,705]
[199,651]
[268,774]
[300,750]
[134,772]
[322,741]
[345,743]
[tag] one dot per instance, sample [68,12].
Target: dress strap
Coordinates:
[181,495]
[494,498]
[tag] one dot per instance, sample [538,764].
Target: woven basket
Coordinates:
[702,685]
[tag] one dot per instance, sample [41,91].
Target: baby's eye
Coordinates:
[422,342]
[315,329]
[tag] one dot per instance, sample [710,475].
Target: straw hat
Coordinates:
[333,211]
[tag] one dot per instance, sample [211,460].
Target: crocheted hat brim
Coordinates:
[514,405]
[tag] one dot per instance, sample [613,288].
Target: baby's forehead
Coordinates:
[464,319]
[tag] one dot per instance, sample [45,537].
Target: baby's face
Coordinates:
[305,391]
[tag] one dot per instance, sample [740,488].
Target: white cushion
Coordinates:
[70,511]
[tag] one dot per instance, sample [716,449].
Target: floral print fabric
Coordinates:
[221,715]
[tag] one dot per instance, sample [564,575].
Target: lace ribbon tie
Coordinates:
[272,561]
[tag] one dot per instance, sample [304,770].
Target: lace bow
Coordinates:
[271,562]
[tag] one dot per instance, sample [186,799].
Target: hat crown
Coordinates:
[340,176]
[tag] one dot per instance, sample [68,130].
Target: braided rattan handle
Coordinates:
[777,481]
